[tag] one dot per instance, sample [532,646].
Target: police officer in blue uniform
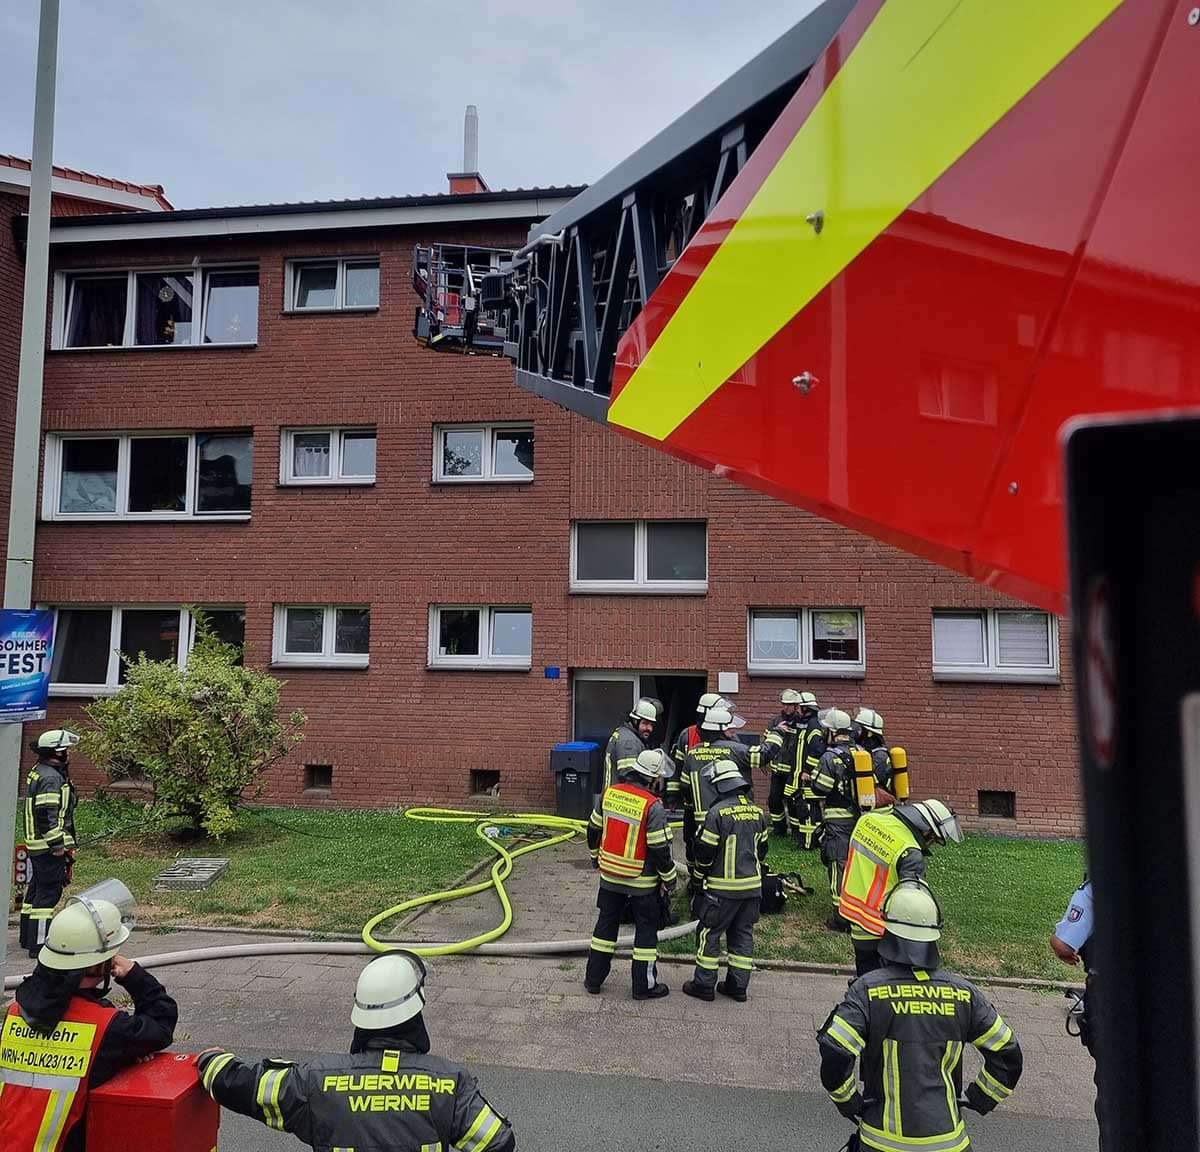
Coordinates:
[1072,944]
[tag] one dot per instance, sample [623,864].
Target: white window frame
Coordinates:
[112,684]
[641,560]
[326,658]
[805,664]
[337,434]
[64,280]
[293,271]
[991,671]
[487,474]
[484,661]
[53,466]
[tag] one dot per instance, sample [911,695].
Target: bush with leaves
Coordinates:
[201,735]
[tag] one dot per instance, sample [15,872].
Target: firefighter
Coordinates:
[887,846]
[906,1024]
[1072,944]
[867,733]
[388,1092]
[718,732]
[803,804]
[687,739]
[61,1020]
[630,843]
[833,781]
[49,833]
[631,737]
[780,739]
[729,853]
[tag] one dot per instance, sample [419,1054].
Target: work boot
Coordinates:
[691,988]
[657,992]
[594,989]
[732,991]
[837,923]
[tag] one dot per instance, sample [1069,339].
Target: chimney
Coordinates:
[468,180]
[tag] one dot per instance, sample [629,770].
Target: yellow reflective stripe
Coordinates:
[845,1035]
[709,837]
[599,945]
[995,1037]
[743,962]
[214,1070]
[923,84]
[268,1097]
[480,1134]
[955,1141]
[657,838]
[735,884]
[54,1119]
[989,1084]
[645,953]
[846,1092]
[947,1066]
[46,798]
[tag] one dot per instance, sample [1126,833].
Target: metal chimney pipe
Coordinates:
[471,140]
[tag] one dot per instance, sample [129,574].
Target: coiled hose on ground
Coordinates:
[484,944]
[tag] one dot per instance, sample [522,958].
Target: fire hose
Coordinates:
[485,944]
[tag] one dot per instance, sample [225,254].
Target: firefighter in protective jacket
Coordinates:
[729,853]
[388,1092]
[867,733]
[62,1037]
[802,803]
[629,739]
[630,842]
[779,744]
[49,833]
[834,782]
[888,845]
[687,739]
[905,1025]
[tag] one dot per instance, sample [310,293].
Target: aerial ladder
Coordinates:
[966,234]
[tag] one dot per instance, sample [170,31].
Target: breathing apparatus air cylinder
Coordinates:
[864,779]
[899,773]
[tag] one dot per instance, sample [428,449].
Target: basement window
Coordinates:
[483,780]
[318,777]
[998,805]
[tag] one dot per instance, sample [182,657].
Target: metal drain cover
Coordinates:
[190,875]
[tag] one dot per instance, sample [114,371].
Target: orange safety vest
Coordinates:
[623,838]
[44,1075]
[869,875]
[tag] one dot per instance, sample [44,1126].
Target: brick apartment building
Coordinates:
[452,574]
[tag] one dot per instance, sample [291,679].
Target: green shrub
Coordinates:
[201,735]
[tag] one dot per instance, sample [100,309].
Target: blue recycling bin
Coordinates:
[576,768]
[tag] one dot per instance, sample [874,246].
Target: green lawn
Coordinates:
[291,868]
[1000,901]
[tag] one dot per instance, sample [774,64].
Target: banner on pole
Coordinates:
[25,640]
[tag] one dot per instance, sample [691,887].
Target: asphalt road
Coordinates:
[560,1111]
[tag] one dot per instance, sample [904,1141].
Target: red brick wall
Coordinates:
[398,732]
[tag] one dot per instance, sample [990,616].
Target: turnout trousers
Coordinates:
[777,803]
[804,817]
[835,848]
[645,909]
[733,920]
[41,898]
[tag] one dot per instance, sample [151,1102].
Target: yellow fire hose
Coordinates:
[500,872]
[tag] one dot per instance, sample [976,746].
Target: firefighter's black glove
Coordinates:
[595,861]
[852,1109]
[977,1100]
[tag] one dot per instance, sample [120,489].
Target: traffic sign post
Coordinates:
[1135,553]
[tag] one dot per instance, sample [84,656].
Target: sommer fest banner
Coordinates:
[25,639]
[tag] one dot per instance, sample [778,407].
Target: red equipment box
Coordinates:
[153,1107]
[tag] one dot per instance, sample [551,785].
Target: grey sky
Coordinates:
[251,101]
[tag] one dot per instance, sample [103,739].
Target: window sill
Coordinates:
[614,589]
[356,310]
[808,671]
[156,347]
[85,690]
[476,666]
[147,518]
[457,481]
[988,676]
[338,483]
[325,665]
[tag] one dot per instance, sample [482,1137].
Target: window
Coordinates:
[145,309]
[328,456]
[334,635]
[995,644]
[318,777]
[498,453]
[335,285]
[153,475]
[639,556]
[480,637]
[818,641]
[90,641]
[998,805]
